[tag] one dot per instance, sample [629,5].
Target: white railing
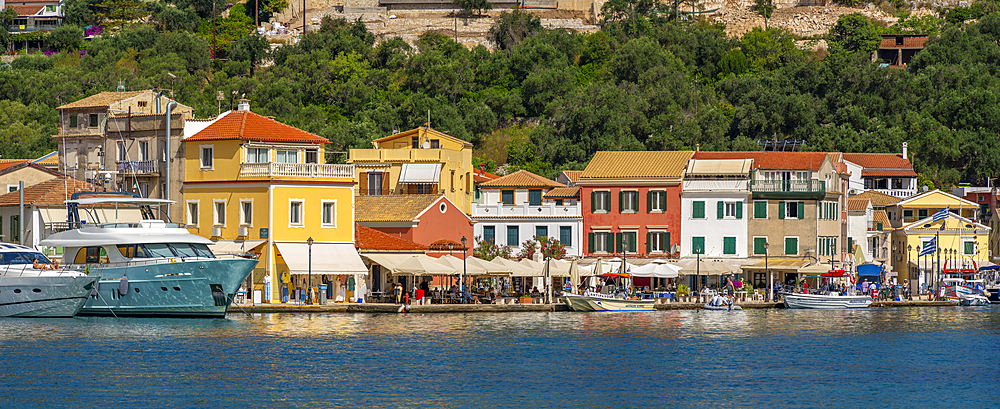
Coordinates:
[525,210]
[719,184]
[135,166]
[273,169]
[901,193]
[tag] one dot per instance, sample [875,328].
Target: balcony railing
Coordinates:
[398,192]
[788,188]
[138,167]
[310,170]
[525,210]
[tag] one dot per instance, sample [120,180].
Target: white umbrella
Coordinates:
[657,271]
[574,276]
[517,269]
[490,267]
[423,265]
[456,263]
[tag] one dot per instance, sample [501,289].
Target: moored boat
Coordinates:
[591,301]
[826,301]
[28,291]
[149,268]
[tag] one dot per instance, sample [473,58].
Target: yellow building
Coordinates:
[256,185]
[418,161]
[961,240]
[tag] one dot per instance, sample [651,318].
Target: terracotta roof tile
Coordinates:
[521,178]
[857,204]
[481,175]
[877,198]
[882,164]
[102,99]
[572,175]
[6,168]
[52,192]
[367,238]
[771,159]
[563,193]
[248,126]
[909,41]
[8,165]
[31,10]
[636,164]
[391,208]
[880,216]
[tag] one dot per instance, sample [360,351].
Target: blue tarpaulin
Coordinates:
[869,270]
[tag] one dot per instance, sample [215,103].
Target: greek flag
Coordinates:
[941,214]
[929,248]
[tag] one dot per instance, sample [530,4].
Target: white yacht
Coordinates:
[148,268]
[27,291]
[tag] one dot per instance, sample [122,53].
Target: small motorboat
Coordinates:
[826,301]
[720,303]
[593,301]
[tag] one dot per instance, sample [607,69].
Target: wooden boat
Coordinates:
[590,301]
[826,301]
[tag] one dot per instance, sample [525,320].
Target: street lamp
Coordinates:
[697,269]
[462,278]
[770,280]
[909,270]
[309,241]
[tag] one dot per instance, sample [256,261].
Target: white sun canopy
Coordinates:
[327,258]
[416,173]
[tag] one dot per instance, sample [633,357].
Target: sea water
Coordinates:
[880,357]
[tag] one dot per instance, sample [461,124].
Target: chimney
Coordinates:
[244,105]
[904,151]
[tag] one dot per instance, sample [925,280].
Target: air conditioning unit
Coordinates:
[216,232]
[244,231]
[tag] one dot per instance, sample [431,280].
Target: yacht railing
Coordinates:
[90,267]
[19,270]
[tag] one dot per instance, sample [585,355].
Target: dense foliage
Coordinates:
[546,100]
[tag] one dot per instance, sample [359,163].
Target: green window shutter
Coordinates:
[590,242]
[720,212]
[593,203]
[635,202]
[791,246]
[969,247]
[729,245]
[698,210]
[607,201]
[739,210]
[618,242]
[621,201]
[610,242]
[836,211]
[697,245]
[850,244]
[760,210]
[802,210]
[781,210]
[649,238]
[666,242]
[649,201]
[758,245]
[663,201]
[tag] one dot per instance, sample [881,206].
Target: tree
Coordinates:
[764,8]
[7,16]
[512,27]
[252,48]
[117,13]
[489,250]
[551,248]
[66,37]
[477,6]
[854,33]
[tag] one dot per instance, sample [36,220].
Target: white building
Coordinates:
[714,208]
[522,205]
[889,173]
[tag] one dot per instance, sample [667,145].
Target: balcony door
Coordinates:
[786,181]
[375,183]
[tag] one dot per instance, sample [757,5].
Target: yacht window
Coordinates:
[183,250]
[127,250]
[158,250]
[91,255]
[202,250]
[23,258]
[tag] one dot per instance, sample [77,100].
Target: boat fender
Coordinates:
[123,286]
[97,286]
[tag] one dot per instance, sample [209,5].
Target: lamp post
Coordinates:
[697,270]
[770,280]
[833,248]
[462,278]
[309,241]
[909,270]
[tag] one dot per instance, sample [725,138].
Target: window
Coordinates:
[542,231]
[729,245]
[628,242]
[534,197]
[507,197]
[601,242]
[258,155]
[329,213]
[628,201]
[791,246]
[295,213]
[921,212]
[143,151]
[219,213]
[246,212]
[791,210]
[658,241]
[697,245]
[15,229]
[286,156]
[73,121]
[698,209]
[600,202]
[489,234]
[192,214]
[760,245]
[827,246]
[415,141]
[12,188]
[206,156]
[435,143]
[512,236]
[566,235]
[375,183]
[53,8]
[122,151]
[559,202]
[657,200]
[760,209]
[93,120]
[969,248]
[730,210]
[312,156]
[452,180]
[163,148]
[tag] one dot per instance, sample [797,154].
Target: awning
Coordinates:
[410,264]
[778,264]
[327,258]
[417,173]
[234,247]
[869,270]
[815,269]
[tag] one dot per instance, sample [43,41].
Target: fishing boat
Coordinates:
[28,289]
[966,291]
[826,301]
[594,301]
[149,268]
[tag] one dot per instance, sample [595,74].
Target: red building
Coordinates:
[631,203]
[422,219]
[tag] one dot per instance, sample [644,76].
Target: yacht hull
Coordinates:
[62,296]
[817,301]
[202,288]
[578,302]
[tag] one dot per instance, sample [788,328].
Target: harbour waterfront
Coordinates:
[882,357]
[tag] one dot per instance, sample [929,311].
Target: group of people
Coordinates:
[37,265]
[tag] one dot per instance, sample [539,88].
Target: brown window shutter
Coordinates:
[363,183]
[385,183]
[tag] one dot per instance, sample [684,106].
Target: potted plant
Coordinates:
[525,299]
[682,290]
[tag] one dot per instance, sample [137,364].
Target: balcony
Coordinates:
[135,167]
[525,210]
[399,192]
[900,193]
[788,189]
[296,170]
